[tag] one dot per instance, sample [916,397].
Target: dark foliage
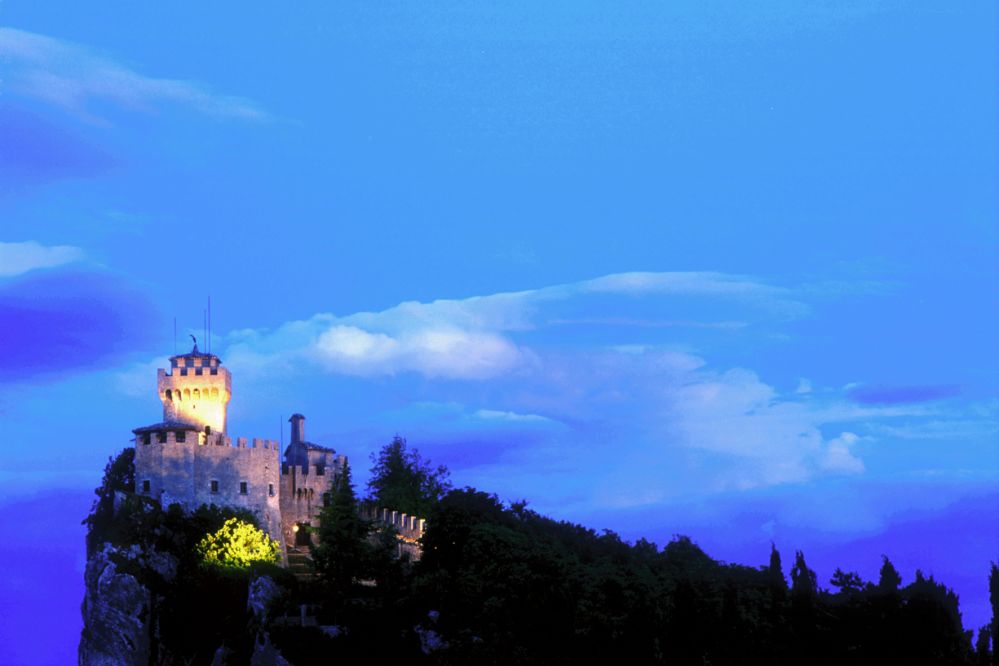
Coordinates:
[504,585]
[402,480]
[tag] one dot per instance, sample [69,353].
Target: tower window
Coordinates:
[320,470]
[270,489]
[215,485]
[161,437]
[242,487]
[208,430]
[145,485]
[181,435]
[146,438]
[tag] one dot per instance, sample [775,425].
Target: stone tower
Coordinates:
[196,390]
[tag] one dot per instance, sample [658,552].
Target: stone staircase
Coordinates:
[300,563]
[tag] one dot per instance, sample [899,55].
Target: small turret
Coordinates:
[297,428]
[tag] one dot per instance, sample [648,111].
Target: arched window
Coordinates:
[169,394]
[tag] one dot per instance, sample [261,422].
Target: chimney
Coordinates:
[297,428]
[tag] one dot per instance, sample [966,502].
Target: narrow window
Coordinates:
[320,470]
[242,487]
[215,485]
[181,435]
[145,485]
[270,489]
[208,430]
[146,438]
[161,437]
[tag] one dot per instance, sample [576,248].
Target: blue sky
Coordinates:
[703,268]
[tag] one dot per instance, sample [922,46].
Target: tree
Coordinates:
[402,480]
[847,582]
[983,655]
[119,476]
[804,583]
[994,600]
[889,579]
[237,545]
[343,553]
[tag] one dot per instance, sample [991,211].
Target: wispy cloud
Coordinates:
[18,258]
[473,338]
[893,395]
[72,77]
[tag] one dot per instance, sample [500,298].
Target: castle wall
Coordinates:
[303,488]
[184,472]
[409,529]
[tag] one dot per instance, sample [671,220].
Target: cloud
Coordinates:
[73,78]
[64,321]
[33,150]
[474,338]
[893,395]
[838,458]
[558,383]
[18,258]
[434,351]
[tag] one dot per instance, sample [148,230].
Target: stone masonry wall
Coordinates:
[183,472]
[302,490]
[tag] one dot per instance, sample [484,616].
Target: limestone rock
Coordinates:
[262,594]
[116,614]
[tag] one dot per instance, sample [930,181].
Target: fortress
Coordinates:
[189,459]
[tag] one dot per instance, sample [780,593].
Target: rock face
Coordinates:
[118,610]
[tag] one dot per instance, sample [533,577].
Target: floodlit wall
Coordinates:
[213,470]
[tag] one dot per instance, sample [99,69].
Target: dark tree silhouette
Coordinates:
[889,579]
[846,582]
[402,480]
[994,600]
[343,553]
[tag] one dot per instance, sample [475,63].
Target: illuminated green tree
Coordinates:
[237,545]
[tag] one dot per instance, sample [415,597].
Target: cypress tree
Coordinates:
[343,551]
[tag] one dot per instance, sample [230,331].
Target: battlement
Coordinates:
[327,467]
[191,437]
[410,528]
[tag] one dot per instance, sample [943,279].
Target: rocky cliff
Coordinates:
[124,602]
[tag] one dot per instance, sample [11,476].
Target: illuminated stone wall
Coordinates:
[183,472]
[303,487]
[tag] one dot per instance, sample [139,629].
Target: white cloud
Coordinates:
[510,417]
[636,423]
[470,338]
[838,458]
[434,351]
[18,258]
[70,76]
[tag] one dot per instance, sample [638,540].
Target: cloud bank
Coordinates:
[655,415]
[73,78]
[18,258]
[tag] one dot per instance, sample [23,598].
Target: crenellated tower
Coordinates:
[196,390]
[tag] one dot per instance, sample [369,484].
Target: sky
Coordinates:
[728,270]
